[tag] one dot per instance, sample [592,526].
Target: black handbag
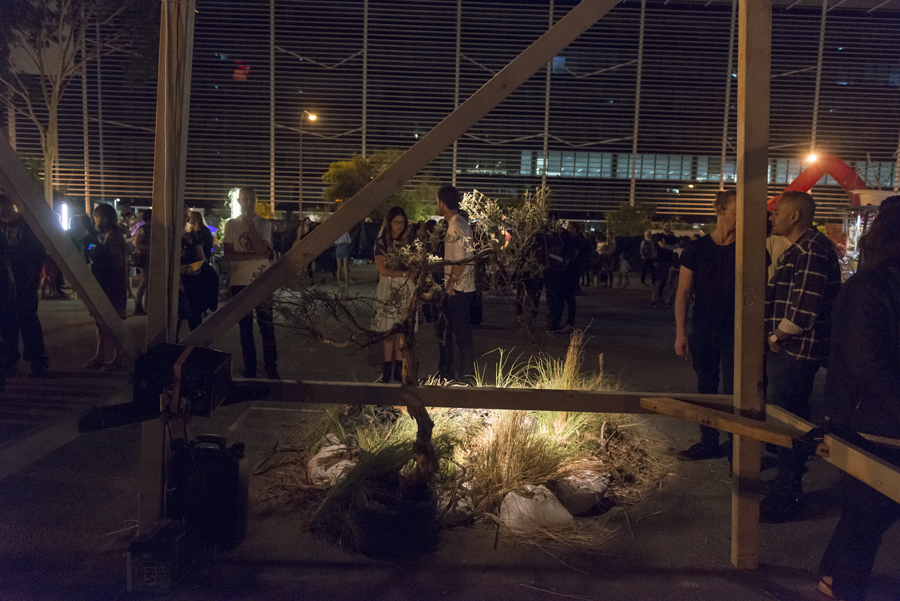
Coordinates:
[139,260]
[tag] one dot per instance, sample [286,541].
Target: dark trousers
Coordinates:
[9,337]
[528,295]
[865,517]
[645,269]
[790,383]
[713,358]
[570,287]
[456,325]
[29,326]
[554,285]
[266,331]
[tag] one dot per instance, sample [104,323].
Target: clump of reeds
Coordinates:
[483,455]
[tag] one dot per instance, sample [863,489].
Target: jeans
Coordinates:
[267,332]
[457,324]
[865,517]
[790,383]
[712,354]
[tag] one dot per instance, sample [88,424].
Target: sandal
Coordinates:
[825,588]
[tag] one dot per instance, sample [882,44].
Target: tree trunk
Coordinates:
[426,458]
[50,149]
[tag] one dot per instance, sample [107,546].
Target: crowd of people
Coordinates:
[811,319]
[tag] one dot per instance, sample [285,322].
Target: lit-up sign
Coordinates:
[240,71]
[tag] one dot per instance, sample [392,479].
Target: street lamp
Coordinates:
[311,117]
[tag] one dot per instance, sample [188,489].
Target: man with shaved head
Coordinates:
[798,327]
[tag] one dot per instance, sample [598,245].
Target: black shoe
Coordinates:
[39,369]
[779,507]
[698,452]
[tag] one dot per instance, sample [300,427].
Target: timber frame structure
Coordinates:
[743,414]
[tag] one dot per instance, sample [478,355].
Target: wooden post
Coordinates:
[29,200]
[754,61]
[568,29]
[172,102]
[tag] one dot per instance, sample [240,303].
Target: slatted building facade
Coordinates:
[642,107]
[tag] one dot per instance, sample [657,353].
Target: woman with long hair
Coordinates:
[109,266]
[393,290]
[862,401]
[197,225]
[142,248]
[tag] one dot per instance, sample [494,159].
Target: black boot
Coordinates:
[386,372]
[398,371]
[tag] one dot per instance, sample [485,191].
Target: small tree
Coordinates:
[346,178]
[631,220]
[46,38]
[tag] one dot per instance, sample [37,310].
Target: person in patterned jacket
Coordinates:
[799,298]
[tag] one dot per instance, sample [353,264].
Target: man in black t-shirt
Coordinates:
[707,268]
[25,256]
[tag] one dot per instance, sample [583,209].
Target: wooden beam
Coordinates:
[173,94]
[525,399]
[862,465]
[29,200]
[172,102]
[741,426]
[549,45]
[22,451]
[754,67]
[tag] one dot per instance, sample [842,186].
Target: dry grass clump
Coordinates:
[483,454]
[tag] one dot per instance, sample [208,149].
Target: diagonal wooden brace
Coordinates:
[742,426]
[29,200]
[470,112]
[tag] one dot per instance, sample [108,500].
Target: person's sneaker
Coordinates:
[698,452]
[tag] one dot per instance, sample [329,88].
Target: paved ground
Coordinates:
[67,520]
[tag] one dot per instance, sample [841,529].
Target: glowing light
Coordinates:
[235,205]
[690,185]
[812,158]
[64,217]
[312,117]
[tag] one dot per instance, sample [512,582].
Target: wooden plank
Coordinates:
[742,426]
[358,393]
[26,448]
[549,45]
[169,163]
[862,465]
[29,200]
[172,101]
[754,66]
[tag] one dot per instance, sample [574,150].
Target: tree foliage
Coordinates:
[631,220]
[345,178]
[46,47]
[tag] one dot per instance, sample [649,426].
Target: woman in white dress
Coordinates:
[393,290]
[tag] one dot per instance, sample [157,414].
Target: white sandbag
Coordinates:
[329,465]
[581,493]
[534,510]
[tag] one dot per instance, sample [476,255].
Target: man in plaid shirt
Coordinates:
[798,327]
